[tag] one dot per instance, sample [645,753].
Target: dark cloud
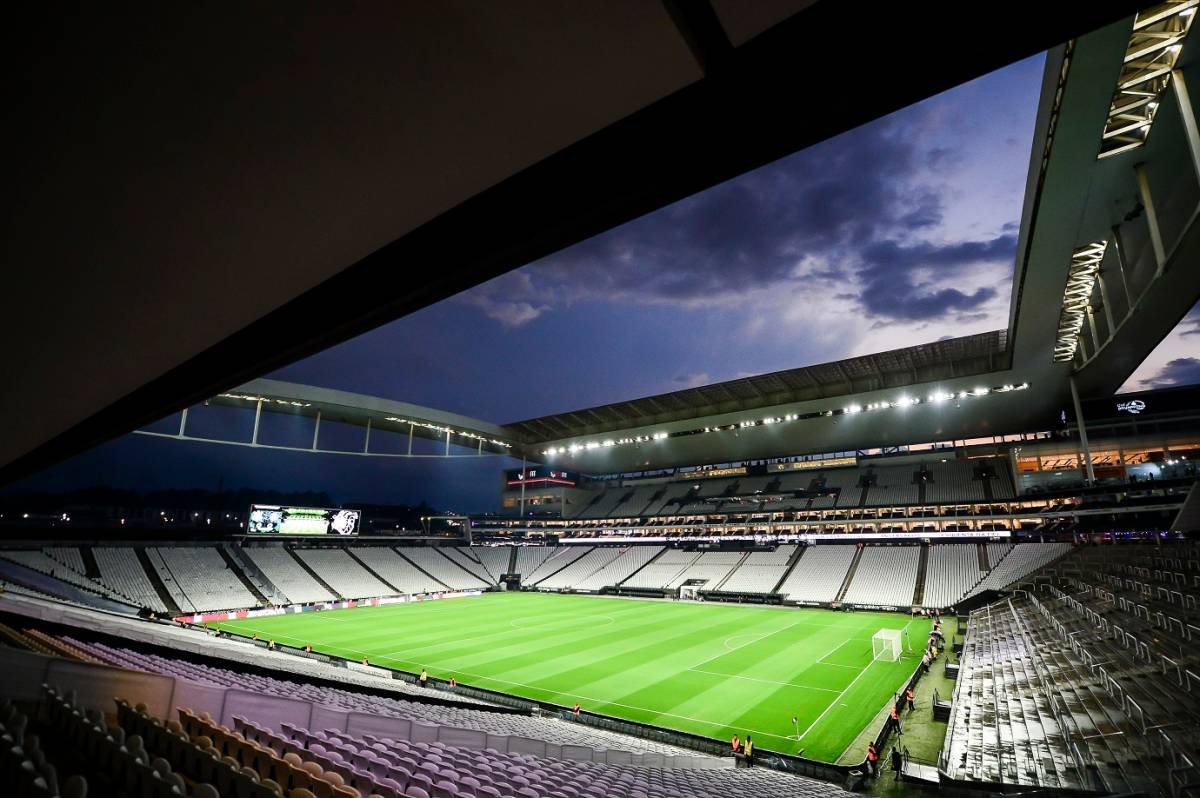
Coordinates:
[757,230]
[889,283]
[1180,371]
[857,211]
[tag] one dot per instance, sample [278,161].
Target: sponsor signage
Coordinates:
[1133,406]
[540,476]
[813,465]
[711,473]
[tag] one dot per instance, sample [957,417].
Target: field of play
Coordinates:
[708,669]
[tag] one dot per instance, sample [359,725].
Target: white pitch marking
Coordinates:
[764,681]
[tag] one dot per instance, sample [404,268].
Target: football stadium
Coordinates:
[862,458]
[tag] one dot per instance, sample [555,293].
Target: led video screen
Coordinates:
[270,519]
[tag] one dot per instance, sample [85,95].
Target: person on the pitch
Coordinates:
[736,744]
[424,678]
[748,750]
[575,711]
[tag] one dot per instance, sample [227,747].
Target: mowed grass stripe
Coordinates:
[702,668]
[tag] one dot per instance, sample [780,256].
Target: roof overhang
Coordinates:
[358,410]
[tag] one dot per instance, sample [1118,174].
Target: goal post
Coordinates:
[885,645]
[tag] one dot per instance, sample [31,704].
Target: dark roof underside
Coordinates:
[953,357]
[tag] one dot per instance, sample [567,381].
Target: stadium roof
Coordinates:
[948,359]
[186,227]
[954,389]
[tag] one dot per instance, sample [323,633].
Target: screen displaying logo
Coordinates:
[274,520]
[1133,406]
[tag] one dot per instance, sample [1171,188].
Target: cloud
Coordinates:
[892,285]
[692,380]
[860,241]
[1180,371]
[508,299]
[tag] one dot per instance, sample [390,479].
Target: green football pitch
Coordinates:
[707,669]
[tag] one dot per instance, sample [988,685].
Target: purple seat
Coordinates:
[445,789]
[419,779]
[416,792]
[391,784]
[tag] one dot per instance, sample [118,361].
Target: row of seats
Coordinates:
[886,575]
[550,729]
[953,481]
[198,579]
[760,572]
[1083,680]
[617,570]
[950,571]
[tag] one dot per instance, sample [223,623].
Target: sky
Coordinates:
[899,232]
[1175,361]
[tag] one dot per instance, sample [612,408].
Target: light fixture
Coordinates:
[1081,278]
[1154,46]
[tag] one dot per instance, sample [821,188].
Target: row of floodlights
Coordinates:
[424,424]
[265,400]
[448,430]
[937,397]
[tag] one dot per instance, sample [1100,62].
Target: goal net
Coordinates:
[885,644]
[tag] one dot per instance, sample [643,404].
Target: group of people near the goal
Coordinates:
[906,701]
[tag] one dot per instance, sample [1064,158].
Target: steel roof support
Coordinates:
[257,416]
[1087,451]
[1143,183]
[1188,115]
[1108,314]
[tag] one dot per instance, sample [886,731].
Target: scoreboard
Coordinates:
[272,519]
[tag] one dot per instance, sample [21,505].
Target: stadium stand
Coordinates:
[529,558]
[396,570]
[662,570]
[1090,678]
[547,729]
[281,568]
[886,575]
[552,560]
[581,568]
[1021,560]
[495,559]
[712,567]
[39,561]
[819,573]
[198,579]
[760,572]
[440,567]
[996,552]
[668,498]
[618,569]
[343,573]
[950,572]
[893,486]
[634,503]
[465,557]
[605,501]
[121,572]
